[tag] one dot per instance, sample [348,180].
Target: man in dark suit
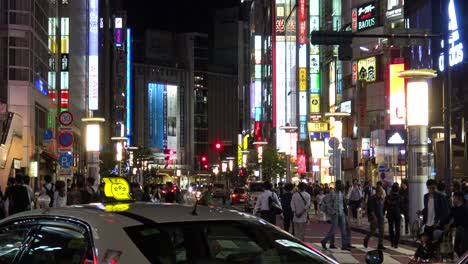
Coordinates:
[435,208]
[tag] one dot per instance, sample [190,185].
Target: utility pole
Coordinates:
[447,95]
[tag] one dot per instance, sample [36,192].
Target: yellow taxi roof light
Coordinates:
[117,188]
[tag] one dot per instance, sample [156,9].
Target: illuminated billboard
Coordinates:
[456,46]
[129,85]
[163,116]
[367,69]
[397,95]
[417,100]
[332,87]
[93,55]
[281,96]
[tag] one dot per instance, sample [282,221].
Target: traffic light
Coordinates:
[168,153]
[218,146]
[203,163]
[203,159]
[205,167]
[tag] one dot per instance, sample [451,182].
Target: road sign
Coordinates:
[382,168]
[65,118]
[66,139]
[48,134]
[65,160]
[347,143]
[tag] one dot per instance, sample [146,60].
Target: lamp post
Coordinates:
[417,120]
[260,145]
[335,144]
[288,130]
[119,146]
[93,144]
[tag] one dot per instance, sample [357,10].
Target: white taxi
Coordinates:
[133,232]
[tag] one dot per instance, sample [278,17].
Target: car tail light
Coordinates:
[233,196]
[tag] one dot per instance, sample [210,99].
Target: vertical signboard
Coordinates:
[172,117]
[129,85]
[332,86]
[397,95]
[93,56]
[302,23]
[280,78]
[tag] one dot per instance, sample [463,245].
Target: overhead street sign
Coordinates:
[65,118]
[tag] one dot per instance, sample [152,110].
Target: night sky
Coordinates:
[173,15]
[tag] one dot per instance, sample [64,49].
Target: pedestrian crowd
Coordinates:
[443,213]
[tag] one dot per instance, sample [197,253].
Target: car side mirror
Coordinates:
[374,257]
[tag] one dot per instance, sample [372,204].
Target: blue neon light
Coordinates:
[129,86]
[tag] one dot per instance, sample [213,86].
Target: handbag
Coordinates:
[305,204]
[274,206]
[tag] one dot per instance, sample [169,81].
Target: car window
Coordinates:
[11,241]
[57,245]
[220,242]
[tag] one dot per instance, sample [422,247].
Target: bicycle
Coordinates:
[416,226]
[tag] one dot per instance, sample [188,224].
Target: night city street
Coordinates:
[233,131]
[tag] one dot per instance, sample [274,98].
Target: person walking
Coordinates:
[263,203]
[17,197]
[435,208]
[320,196]
[354,197]
[375,215]
[73,196]
[48,188]
[457,219]
[334,207]
[404,196]
[27,180]
[393,203]
[300,204]
[286,205]
[60,197]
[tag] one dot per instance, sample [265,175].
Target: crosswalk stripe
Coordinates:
[389,260]
[333,250]
[344,258]
[361,247]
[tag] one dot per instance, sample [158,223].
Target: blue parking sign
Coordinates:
[65,160]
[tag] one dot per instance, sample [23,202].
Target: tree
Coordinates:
[272,162]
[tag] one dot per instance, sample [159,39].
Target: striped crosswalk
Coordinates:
[357,254]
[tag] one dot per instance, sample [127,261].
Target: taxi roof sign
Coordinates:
[117,188]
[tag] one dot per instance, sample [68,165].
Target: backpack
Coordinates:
[50,193]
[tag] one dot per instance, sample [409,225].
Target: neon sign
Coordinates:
[455,44]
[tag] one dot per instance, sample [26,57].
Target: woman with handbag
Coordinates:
[268,204]
[300,205]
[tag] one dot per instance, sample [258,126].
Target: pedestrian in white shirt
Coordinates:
[300,205]
[263,205]
[60,198]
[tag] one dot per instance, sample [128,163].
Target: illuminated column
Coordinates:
[417,120]
[260,145]
[119,151]
[93,144]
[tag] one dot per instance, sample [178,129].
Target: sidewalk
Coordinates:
[363,227]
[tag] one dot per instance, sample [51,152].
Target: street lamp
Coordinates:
[288,130]
[260,145]
[417,120]
[119,146]
[93,144]
[335,140]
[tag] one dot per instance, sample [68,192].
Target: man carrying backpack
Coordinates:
[48,188]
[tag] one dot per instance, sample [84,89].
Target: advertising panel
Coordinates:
[317,149]
[397,95]
[367,16]
[118,22]
[252,100]
[346,107]
[156,115]
[258,94]
[172,117]
[417,101]
[355,73]
[302,56]
[128,85]
[315,103]
[293,137]
[302,79]
[302,22]
[280,95]
[332,86]
[301,164]
[303,127]
[302,103]
[394,10]
[314,64]
[317,127]
[118,37]
[93,56]
[395,137]
[456,44]
[367,69]
[315,83]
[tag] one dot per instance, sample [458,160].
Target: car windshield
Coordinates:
[256,187]
[239,190]
[220,242]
